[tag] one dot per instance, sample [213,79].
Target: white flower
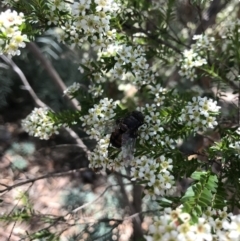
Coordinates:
[95,90]
[39,124]
[234,227]
[202,230]
[199,62]
[10,22]
[191,59]
[189,54]
[200,113]
[72,89]
[78,8]
[238,131]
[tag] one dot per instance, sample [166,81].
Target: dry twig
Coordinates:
[32,180]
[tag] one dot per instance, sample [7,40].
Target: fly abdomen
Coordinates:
[116,139]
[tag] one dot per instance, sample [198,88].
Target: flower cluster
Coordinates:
[175,225]
[192,58]
[58,11]
[236,147]
[200,113]
[130,67]
[203,42]
[95,90]
[88,23]
[11,37]
[155,172]
[152,131]
[98,118]
[158,92]
[99,158]
[39,124]
[133,59]
[72,89]
[63,6]
[98,122]
[190,61]
[213,225]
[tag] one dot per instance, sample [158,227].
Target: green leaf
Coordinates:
[196,175]
[201,193]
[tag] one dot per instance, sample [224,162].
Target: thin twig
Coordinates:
[124,176]
[212,12]
[52,73]
[137,222]
[14,224]
[24,80]
[96,199]
[10,235]
[107,220]
[49,175]
[19,198]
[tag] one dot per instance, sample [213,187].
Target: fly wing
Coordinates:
[110,126]
[128,145]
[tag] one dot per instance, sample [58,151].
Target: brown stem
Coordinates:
[137,205]
[32,180]
[137,229]
[210,18]
[52,73]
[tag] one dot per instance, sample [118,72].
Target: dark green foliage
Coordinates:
[66,117]
[17,215]
[170,12]
[44,235]
[200,194]
[183,167]
[218,201]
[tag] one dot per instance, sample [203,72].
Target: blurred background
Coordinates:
[52,207]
